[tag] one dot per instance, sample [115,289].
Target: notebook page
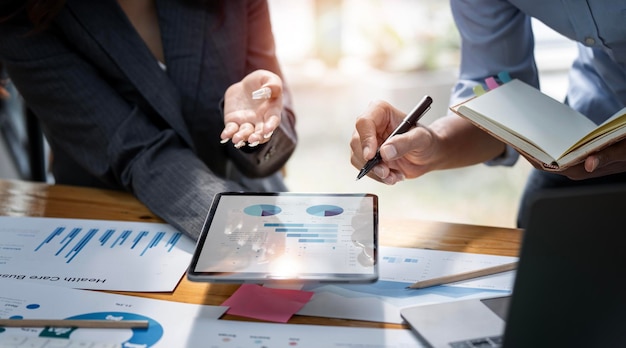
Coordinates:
[550,124]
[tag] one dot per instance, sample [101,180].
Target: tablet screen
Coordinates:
[274,237]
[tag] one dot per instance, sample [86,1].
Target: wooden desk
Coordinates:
[19,198]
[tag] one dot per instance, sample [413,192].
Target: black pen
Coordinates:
[409,122]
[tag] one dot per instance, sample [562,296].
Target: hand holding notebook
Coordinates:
[539,127]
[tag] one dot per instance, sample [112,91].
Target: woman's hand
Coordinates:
[252,109]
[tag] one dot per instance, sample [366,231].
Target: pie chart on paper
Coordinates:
[324,210]
[262,210]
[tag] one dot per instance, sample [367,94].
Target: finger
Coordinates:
[380,173]
[229,130]
[356,151]
[375,124]
[242,135]
[608,156]
[270,84]
[264,131]
[393,177]
[270,125]
[257,137]
[592,163]
[366,137]
[262,93]
[356,157]
[275,88]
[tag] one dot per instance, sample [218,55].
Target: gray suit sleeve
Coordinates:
[85,118]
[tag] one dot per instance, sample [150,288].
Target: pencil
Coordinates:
[464,276]
[96,324]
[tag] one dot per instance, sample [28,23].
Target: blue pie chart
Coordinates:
[262,210]
[141,337]
[324,210]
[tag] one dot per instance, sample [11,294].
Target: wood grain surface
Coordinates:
[20,198]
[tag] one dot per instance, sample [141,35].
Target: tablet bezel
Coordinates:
[257,277]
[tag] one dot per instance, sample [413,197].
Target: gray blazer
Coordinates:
[115,119]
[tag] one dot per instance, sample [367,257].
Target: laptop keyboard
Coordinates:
[10,341]
[484,342]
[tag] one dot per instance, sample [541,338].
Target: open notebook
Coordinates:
[543,129]
[567,290]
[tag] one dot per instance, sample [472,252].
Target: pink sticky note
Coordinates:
[255,301]
[491,83]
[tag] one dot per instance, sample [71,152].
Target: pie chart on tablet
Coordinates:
[262,210]
[324,210]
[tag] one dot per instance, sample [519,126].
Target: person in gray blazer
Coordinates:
[154,97]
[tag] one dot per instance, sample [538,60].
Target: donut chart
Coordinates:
[141,337]
[262,210]
[324,210]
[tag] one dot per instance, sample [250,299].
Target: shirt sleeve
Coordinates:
[495,36]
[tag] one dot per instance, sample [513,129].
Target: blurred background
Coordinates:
[340,55]
[337,56]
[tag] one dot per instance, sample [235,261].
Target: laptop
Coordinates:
[568,288]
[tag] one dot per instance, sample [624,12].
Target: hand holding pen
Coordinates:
[407,123]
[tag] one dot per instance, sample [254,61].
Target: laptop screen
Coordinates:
[568,290]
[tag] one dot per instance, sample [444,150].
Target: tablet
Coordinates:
[288,237]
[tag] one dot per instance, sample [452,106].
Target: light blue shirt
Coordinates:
[496,35]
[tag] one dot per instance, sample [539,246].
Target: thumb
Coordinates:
[612,154]
[265,84]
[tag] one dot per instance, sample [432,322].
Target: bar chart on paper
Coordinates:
[69,243]
[93,254]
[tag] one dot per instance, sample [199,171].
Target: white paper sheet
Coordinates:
[93,254]
[173,324]
[399,268]
[169,322]
[223,333]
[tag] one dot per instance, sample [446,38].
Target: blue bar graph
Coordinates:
[171,243]
[81,244]
[155,241]
[122,238]
[398,259]
[138,238]
[68,239]
[306,232]
[68,243]
[106,236]
[56,232]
